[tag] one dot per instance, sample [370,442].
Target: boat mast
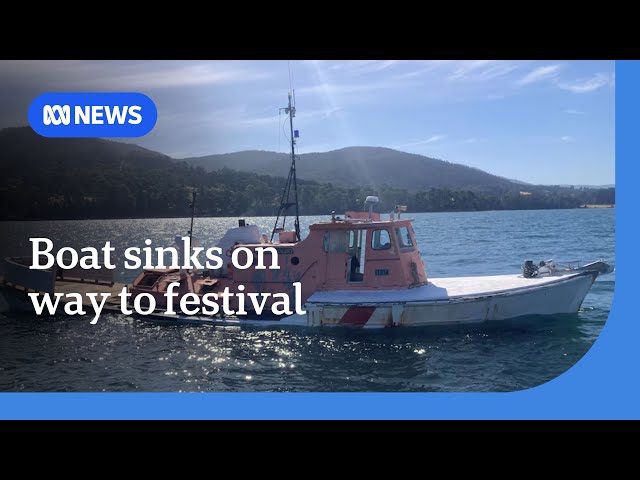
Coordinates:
[286,202]
[193,211]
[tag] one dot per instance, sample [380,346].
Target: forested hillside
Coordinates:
[45,178]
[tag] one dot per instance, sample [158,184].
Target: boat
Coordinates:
[357,270]
[362,270]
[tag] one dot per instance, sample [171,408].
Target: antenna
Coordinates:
[286,202]
[192,206]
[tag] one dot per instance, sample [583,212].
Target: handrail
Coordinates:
[18,274]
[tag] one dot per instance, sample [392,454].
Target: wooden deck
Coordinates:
[64,286]
[20,278]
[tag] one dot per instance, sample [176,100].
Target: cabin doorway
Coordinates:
[356,250]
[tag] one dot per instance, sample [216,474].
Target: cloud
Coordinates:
[599,80]
[358,67]
[434,138]
[409,75]
[567,138]
[237,118]
[131,75]
[431,139]
[465,69]
[191,75]
[572,111]
[546,72]
[332,89]
[480,70]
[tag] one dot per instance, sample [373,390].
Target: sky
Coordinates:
[541,122]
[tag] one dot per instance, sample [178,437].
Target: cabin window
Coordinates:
[380,240]
[335,241]
[149,280]
[404,238]
[352,239]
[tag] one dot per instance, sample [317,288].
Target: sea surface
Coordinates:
[122,353]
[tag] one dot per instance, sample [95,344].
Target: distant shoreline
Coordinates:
[582,207]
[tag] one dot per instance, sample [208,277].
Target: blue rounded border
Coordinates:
[605,384]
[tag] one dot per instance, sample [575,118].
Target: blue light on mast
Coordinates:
[296,133]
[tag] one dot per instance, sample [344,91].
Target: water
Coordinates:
[122,353]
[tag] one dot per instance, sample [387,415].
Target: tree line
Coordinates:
[131,190]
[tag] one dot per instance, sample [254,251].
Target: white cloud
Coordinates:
[480,70]
[131,75]
[348,88]
[546,72]
[465,68]
[409,75]
[434,138]
[203,74]
[431,139]
[599,80]
[238,118]
[567,138]
[358,67]
[573,111]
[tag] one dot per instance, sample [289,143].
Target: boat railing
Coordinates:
[18,274]
[101,276]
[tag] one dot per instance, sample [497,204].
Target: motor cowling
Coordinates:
[529,269]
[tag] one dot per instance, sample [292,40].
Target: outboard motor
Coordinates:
[529,269]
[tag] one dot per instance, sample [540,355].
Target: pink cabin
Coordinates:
[353,253]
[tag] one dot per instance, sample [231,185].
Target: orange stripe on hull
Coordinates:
[357,316]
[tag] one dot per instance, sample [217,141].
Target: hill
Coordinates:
[58,178]
[22,148]
[362,166]
[94,178]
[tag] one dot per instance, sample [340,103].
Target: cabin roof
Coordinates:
[351,224]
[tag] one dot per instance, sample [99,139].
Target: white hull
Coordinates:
[443,301]
[434,305]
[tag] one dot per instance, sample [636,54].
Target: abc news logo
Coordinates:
[91,115]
